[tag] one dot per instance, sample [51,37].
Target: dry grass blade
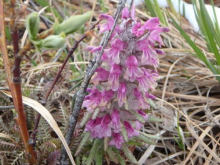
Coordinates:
[149,151]
[200,142]
[48,117]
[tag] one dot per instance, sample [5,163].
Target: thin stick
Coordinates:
[81,93]
[15,87]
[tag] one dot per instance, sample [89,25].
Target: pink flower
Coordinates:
[122,94]
[115,121]
[142,102]
[149,96]
[101,75]
[138,125]
[133,12]
[137,30]
[151,24]
[145,116]
[108,25]
[117,140]
[155,35]
[105,127]
[147,81]
[113,53]
[92,100]
[114,77]
[125,13]
[130,130]
[133,71]
[109,22]
[94,49]
[149,56]
[107,95]
[93,126]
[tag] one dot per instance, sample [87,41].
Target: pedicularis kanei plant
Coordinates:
[122,84]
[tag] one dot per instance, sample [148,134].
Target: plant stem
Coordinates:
[15,85]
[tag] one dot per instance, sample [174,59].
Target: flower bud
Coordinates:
[53,41]
[32,25]
[73,23]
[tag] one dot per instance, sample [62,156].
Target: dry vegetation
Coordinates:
[188,95]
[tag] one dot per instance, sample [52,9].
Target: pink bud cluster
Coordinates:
[122,85]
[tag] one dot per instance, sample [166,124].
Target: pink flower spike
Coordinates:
[133,71]
[125,13]
[105,127]
[114,77]
[113,53]
[92,100]
[109,22]
[122,94]
[117,140]
[101,75]
[130,130]
[151,24]
[115,124]
[142,102]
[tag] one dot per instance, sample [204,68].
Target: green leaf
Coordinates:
[121,160]
[112,155]
[75,86]
[150,136]
[73,23]
[85,138]
[32,25]
[129,154]
[150,7]
[145,139]
[99,156]
[159,12]
[7,33]
[198,52]
[124,132]
[138,116]
[85,119]
[93,151]
[54,41]
[154,119]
